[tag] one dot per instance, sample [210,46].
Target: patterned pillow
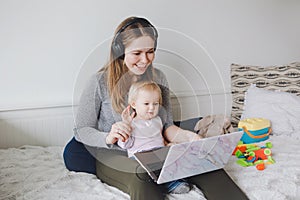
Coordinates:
[284,78]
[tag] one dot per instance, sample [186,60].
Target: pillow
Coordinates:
[281,108]
[285,78]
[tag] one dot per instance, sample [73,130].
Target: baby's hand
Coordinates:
[171,143]
[192,136]
[126,116]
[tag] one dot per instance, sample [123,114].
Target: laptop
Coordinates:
[188,159]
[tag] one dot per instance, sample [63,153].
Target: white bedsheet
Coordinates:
[279,181]
[33,172]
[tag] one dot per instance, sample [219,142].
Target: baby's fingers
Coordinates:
[125,112]
[126,116]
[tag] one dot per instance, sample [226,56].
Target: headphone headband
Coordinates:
[118,48]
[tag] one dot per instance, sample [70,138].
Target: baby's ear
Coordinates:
[132,111]
[132,105]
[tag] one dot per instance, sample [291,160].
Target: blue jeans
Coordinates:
[173,184]
[77,158]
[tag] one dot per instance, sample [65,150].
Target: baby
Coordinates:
[145,100]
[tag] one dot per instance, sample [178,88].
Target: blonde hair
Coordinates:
[143,86]
[118,78]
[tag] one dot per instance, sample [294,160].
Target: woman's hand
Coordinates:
[119,131]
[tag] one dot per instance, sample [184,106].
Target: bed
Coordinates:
[34,172]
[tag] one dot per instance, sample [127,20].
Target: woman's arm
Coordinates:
[87,118]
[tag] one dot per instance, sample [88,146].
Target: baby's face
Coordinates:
[146,105]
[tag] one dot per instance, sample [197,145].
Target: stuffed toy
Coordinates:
[213,125]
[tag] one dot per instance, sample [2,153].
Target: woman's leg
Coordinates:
[218,185]
[77,158]
[126,174]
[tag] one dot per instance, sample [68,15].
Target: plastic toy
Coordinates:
[252,154]
[255,129]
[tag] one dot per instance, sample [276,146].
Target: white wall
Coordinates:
[48,48]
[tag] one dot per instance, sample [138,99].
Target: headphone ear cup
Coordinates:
[118,49]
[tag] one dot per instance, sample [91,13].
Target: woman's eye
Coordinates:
[137,53]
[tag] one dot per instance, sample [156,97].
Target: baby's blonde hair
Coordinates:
[143,86]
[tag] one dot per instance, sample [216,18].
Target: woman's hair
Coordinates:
[143,86]
[118,78]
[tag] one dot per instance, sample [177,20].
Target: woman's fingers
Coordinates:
[122,131]
[116,135]
[122,135]
[123,127]
[119,131]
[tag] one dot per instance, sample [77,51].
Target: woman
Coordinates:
[99,125]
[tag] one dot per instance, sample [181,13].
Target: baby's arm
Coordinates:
[127,118]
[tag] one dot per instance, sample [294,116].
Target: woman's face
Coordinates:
[139,54]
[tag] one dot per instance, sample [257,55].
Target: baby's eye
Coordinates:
[146,104]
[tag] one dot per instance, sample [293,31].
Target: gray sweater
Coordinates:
[95,115]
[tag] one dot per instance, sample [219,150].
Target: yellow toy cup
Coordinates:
[255,129]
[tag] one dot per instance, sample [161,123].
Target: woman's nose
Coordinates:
[144,57]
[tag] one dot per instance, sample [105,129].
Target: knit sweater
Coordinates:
[95,115]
